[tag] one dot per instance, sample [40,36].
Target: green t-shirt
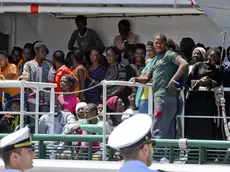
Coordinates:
[163,68]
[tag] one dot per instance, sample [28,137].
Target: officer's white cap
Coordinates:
[18,139]
[131,131]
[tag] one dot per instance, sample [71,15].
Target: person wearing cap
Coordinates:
[17,151]
[37,70]
[135,143]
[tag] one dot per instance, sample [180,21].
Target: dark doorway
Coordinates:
[4,42]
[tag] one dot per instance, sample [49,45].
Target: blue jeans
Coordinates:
[9,99]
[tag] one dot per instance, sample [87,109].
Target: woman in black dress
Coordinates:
[202,103]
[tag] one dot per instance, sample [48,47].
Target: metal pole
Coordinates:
[22,101]
[182,113]
[150,104]
[52,103]
[36,110]
[104,120]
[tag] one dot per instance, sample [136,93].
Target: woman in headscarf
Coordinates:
[115,105]
[202,103]
[198,55]
[79,111]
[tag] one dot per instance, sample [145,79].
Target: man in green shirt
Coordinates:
[165,71]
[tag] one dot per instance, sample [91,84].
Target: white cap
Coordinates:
[18,139]
[130,132]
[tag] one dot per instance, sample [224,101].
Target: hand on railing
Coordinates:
[2,77]
[8,116]
[133,79]
[76,129]
[24,76]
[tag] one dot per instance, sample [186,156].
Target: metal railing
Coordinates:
[204,151]
[183,116]
[122,83]
[38,86]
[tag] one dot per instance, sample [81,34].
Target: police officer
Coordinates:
[17,151]
[133,138]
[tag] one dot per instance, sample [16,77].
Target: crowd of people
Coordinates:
[78,102]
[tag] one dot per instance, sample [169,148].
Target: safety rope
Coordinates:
[50,122]
[220,102]
[73,92]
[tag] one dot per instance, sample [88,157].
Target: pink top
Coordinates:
[69,102]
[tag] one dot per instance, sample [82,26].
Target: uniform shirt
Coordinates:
[136,166]
[11,170]
[11,69]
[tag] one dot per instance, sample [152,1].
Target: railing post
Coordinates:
[202,155]
[52,104]
[183,112]
[104,120]
[150,101]
[36,110]
[90,151]
[41,150]
[111,154]
[22,101]
[171,154]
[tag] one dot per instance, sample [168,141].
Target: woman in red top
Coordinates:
[59,66]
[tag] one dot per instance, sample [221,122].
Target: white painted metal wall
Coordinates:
[56,32]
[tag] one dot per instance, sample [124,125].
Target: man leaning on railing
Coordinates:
[165,71]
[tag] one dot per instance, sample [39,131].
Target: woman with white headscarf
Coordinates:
[79,110]
[202,103]
[198,55]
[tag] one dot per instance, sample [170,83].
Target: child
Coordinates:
[8,122]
